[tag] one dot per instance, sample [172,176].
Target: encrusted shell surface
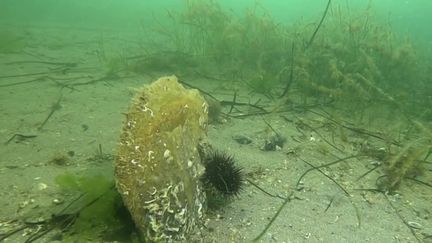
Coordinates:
[158,165]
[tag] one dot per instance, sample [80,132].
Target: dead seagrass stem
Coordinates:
[158,166]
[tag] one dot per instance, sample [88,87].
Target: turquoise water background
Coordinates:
[410,16]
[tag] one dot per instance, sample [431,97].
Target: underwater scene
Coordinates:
[216,121]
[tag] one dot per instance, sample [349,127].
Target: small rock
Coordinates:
[42,186]
[242,139]
[57,201]
[273,143]
[415,225]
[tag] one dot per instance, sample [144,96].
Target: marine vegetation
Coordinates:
[355,62]
[96,210]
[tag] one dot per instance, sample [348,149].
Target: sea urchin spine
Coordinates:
[222,173]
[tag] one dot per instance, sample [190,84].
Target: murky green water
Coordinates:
[320,113]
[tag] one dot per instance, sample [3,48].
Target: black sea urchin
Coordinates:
[222,174]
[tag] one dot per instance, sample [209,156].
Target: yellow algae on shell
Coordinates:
[158,165]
